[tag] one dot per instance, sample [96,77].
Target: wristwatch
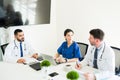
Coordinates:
[65,59]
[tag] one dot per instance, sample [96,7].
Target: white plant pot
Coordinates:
[45,72]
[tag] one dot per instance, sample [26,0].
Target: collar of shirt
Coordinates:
[101,46]
[101,50]
[70,44]
[17,43]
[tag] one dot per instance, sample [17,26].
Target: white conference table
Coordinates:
[15,71]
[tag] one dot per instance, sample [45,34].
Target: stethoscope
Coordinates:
[16,47]
[102,51]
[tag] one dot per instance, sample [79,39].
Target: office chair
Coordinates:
[83,48]
[3,47]
[117,60]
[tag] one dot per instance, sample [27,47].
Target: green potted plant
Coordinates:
[72,75]
[45,64]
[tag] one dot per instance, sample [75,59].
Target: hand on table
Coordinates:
[78,66]
[21,61]
[61,60]
[35,55]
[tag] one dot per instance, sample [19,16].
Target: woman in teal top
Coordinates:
[69,49]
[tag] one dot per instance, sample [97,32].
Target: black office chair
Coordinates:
[3,47]
[117,59]
[83,48]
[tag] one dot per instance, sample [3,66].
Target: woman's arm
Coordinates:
[72,60]
[56,56]
[63,60]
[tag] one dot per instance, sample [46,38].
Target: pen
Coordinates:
[77,63]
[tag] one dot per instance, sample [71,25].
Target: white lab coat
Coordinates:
[105,60]
[12,51]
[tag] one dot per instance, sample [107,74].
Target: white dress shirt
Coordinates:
[12,51]
[105,60]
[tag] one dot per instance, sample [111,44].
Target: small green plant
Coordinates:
[72,75]
[45,63]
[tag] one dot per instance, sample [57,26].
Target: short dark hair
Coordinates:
[67,31]
[17,31]
[97,33]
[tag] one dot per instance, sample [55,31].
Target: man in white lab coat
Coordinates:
[18,49]
[99,56]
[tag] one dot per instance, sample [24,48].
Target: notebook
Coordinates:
[30,60]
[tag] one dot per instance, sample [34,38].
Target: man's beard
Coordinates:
[21,40]
[92,43]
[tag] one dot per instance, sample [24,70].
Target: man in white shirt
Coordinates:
[99,56]
[17,50]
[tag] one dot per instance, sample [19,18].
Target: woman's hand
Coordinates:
[60,60]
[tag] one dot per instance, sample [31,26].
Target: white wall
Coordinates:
[79,15]
[83,15]
[41,37]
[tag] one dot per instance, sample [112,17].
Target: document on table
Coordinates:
[30,60]
[58,77]
[112,77]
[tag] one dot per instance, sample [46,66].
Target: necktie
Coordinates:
[21,50]
[95,59]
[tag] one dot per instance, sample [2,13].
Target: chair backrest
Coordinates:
[83,48]
[1,55]
[117,57]
[3,47]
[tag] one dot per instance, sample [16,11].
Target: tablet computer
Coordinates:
[36,66]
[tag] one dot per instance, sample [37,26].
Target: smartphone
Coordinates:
[53,74]
[40,58]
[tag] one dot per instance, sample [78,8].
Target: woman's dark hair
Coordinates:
[67,31]
[17,31]
[97,33]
